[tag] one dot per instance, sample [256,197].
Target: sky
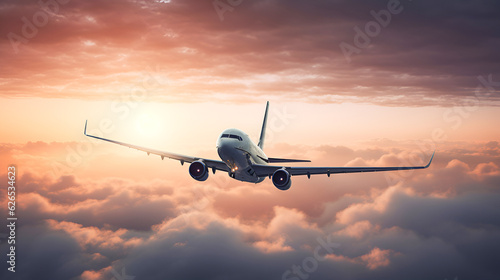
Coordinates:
[350,83]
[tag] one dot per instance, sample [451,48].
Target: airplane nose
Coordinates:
[221,145]
[223,148]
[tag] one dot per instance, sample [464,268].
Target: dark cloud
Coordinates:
[42,253]
[117,203]
[430,53]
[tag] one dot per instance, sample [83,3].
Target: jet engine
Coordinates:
[198,170]
[281,179]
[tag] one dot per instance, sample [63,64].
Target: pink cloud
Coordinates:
[91,275]
[92,236]
[85,55]
[486,169]
[273,247]
[96,275]
[376,258]
[359,230]
[378,205]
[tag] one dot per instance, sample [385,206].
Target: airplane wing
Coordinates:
[268,170]
[214,164]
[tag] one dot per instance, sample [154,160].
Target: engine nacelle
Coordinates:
[281,179]
[198,170]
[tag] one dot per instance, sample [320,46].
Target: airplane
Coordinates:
[245,161]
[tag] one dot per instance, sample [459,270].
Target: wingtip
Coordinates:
[432,157]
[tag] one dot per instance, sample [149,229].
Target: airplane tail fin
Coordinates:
[263,131]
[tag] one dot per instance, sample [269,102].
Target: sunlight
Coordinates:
[147,126]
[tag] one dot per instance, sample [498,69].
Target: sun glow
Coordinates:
[147,126]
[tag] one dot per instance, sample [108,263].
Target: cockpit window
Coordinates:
[235,137]
[232,136]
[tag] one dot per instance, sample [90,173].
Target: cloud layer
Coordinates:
[445,219]
[427,54]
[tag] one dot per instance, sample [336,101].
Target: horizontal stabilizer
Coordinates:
[275,160]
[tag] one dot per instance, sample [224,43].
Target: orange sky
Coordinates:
[38,119]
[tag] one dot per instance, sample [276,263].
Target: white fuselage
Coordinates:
[239,153]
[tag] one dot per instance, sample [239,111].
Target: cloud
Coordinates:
[47,254]
[444,219]
[122,205]
[374,259]
[92,51]
[92,236]
[358,230]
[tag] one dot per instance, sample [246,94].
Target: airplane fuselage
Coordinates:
[239,153]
